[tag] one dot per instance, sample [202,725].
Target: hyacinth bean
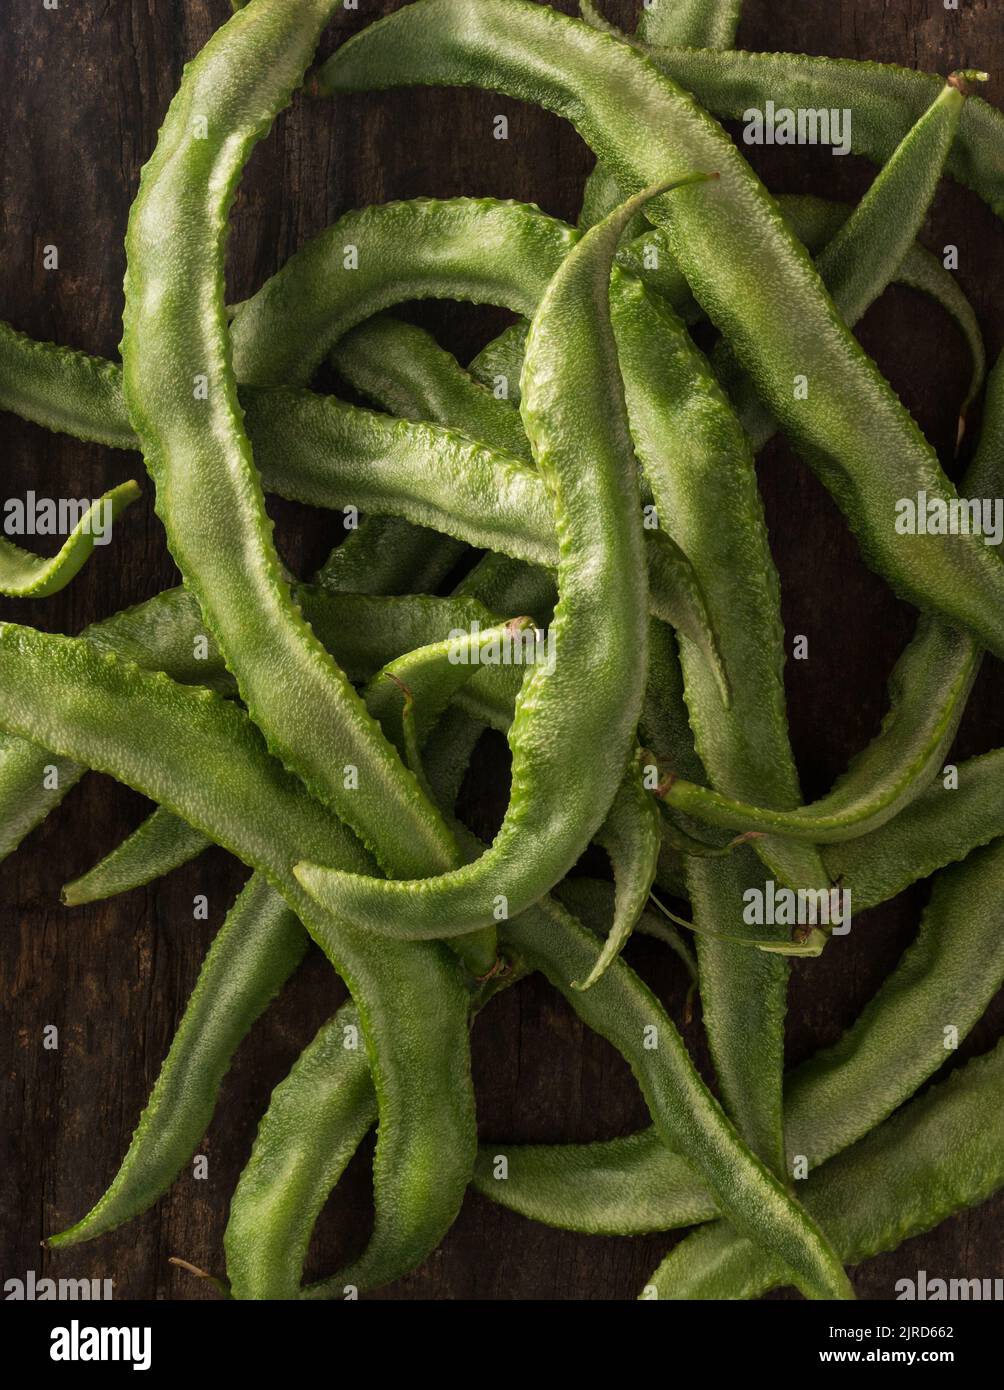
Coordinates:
[197,754]
[940,1154]
[885,101]
[315,1121]
[599,625]
[172,739]
[323,452]
[159,844]
[864,255]
[687,23]
[928,690]
[620,1008]
[701,472]
[944,980]
[253,954]
[24,575]
[321,732]
[405,371]
[814,221]
[612,92]
[181,394]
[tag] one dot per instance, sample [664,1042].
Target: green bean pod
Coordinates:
[388,555]
[499,364]
[687,23]
[323,452]
[431,676]
[814,221]
[24,575]
[574,413]
[620,1008]
[885,101]
[938,1155]
[630,835]
[928,690]
[201,757]
[701,471]
[161,843]
[932,999]
[254,953]
[179,385]
[863,257]
[315,1121]
[617,1187]
[408,374]
[733,247]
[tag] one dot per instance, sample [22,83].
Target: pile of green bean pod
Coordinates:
[562,542]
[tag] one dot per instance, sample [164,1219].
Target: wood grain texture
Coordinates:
[84,90]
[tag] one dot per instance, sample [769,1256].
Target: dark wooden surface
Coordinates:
[84,90]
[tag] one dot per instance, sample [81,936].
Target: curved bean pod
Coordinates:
[814,221]
[942,826]
[408,374]
[201,757]
[946,977]
[862,258]
[161,843]
[315,1121]
[610,91]
[160,635]
[701,471]
[886,101]
[618,1187]
[620,1008]
[598,626]
[687,23]
[592,902]
[928,690]
[938,1155]
[431,676]
[252,956]
[324,452]
[195,447]
[24,575]
[75,394]
[631,837]
[63,390]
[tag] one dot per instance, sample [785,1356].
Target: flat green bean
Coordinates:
[598,626]
[255,951]
[24,575]
[733,247]
[193,440]
[940,1154]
